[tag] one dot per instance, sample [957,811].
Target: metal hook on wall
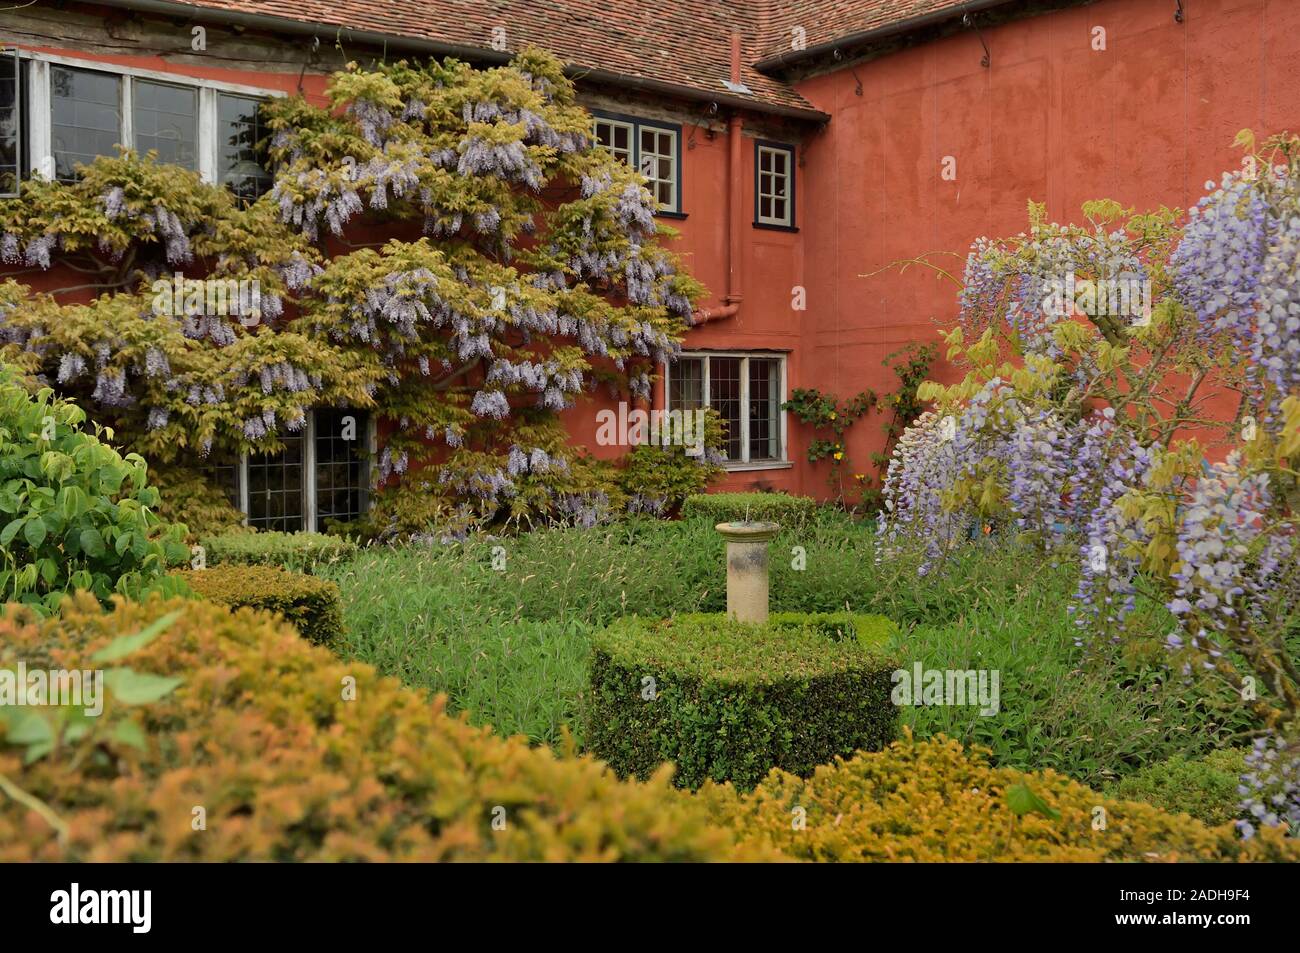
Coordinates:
[968,20]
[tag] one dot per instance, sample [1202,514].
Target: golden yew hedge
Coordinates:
[934,801]
[259,734]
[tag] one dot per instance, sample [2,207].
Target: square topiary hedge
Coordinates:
[299,552]
[314,606]
[789,511]
[727,701]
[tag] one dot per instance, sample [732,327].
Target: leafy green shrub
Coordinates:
[729,701]
[296,755]
[299,552]
[311,604]
[789,511]
[191,498]
[933,801]
[870,631]
[75,513]
[1205,788]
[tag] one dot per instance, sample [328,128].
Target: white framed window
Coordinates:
[652,148]
[322,473]
[71,110]
[618,137]
[774,184]
[746,389]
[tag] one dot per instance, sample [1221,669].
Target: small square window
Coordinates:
[774,185]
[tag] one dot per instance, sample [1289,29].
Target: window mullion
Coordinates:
[40,153]
[208,145]
[127,87]
[309,474]
[744,409]
[243,486]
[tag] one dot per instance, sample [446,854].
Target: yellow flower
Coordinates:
[833,415]
[839,454]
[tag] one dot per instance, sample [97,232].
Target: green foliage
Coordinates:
[287,768]
[76,514]
[312,605]
[189,497]
[76,723]
[298,552]
[1205,788]
[870,631]
[825,412]
[788,511]
[729,701]
[911,365]
[1095,718]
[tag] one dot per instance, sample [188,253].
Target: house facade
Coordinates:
[802,149]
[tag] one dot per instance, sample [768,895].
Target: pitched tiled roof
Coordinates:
[827,21]
[682,44]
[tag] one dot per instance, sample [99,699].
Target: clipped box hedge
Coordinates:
[299,552]
[789,511]
[296,755]
[726,701]
[312,605]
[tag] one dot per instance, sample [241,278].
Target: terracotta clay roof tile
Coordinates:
[682,43]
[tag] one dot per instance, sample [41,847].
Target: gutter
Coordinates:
[429,47]
[735,209]
[878,33]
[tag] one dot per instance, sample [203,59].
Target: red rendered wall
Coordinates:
[1145,122]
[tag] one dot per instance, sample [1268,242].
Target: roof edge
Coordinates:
[415,44]
[896,28]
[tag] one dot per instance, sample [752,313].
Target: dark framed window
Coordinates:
[342,465]
[746,390]
[321,475]
[652,148]
[774,185]
[276,486]
[224,475]
[241,155]
[165,119]
[12,119]
[85,117]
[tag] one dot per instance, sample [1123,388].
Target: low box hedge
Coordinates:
[300,552]
[789,511]
[314,606]
[727,701]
